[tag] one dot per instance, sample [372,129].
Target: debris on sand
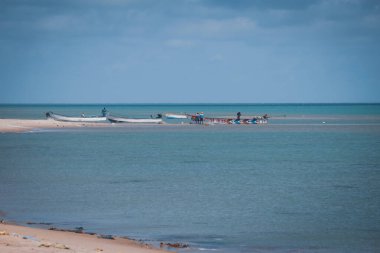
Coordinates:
[54,245]
[174,245]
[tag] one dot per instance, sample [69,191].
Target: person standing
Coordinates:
[238,116]
[201,117]
[104,112]
[197,118]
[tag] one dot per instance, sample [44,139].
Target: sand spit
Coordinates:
[19,239]
[27,125]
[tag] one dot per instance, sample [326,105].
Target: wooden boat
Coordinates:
[175,116]
[51,115]
[249,121]
[134,120]
[254,120]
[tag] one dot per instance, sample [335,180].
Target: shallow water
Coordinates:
[296,184]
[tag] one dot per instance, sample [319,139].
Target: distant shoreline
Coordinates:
[193,104]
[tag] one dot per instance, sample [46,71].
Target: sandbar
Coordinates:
[20,239]
[27,125]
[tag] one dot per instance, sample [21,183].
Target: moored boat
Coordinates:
[51,115]
[175,116]
[208,120]
[134,120]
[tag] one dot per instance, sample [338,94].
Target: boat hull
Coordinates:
[235,122]
[255,121]
[175,116]
[59,117]
[131,120]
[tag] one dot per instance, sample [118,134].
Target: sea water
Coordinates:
[306,182]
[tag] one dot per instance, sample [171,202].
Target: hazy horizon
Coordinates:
[200,103]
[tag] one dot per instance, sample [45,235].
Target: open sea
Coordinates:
[309,181]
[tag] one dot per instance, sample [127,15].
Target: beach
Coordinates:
[20,239]
[27,125]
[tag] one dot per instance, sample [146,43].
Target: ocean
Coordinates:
[309,181]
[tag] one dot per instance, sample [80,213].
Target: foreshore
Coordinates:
[21,239]
[28,125]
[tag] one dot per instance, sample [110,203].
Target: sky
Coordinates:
[189,51]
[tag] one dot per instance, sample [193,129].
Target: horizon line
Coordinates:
[200,103]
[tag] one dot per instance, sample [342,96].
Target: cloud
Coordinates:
[81,18]
[187,20]
[222,38]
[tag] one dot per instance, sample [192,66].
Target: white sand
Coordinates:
[26,125]
[19,239]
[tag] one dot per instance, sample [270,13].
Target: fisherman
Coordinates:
[238,116]
[197,118]
[201,117]
[104,112]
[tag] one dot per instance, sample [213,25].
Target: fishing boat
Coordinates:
[134,120]
[254,120]
[83,118]
[175,116]
[249,121]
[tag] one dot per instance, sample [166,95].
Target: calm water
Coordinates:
[295,185]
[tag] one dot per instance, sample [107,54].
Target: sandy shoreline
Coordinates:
[27,125]
[20,239]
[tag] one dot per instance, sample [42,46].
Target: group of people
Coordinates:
[199,118]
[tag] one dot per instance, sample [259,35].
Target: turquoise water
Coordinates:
[294,185]
[143,110]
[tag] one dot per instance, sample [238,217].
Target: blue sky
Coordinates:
[138,51]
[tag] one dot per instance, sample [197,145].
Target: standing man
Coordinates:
[238,116]
[104,112]
[201,117]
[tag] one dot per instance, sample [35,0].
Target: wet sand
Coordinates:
[20,239]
